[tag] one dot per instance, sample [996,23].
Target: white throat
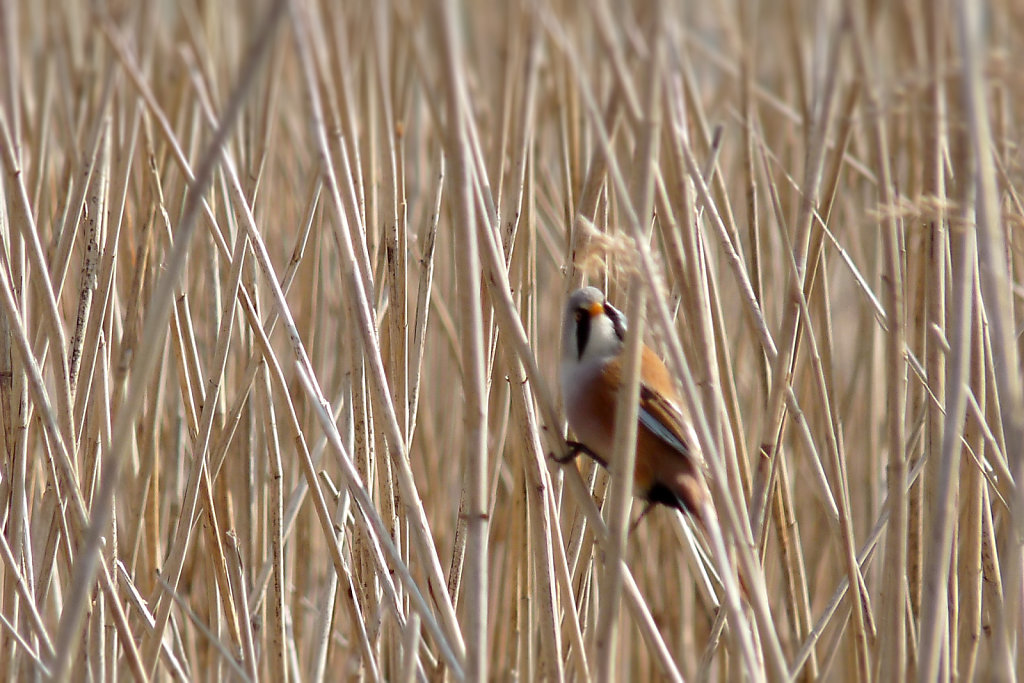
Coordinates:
[602,343]
[602,346]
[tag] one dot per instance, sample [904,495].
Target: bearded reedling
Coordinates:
[669,468]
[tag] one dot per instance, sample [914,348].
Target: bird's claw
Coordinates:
[576,448]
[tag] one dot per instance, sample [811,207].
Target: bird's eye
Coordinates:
[578,315]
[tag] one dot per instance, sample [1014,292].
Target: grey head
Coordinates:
[592,329]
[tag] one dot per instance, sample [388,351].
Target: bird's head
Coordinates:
[592,329]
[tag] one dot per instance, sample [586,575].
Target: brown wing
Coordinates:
[671,470]
[658,399]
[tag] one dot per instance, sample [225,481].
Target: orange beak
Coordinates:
[596,308]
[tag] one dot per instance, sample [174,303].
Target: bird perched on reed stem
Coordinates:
[669,468]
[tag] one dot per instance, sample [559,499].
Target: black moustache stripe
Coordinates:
[618,320]
[582,333]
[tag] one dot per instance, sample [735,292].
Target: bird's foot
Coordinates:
[575,448]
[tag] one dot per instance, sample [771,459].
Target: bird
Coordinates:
[669,467]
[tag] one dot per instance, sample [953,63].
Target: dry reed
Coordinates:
[280,294]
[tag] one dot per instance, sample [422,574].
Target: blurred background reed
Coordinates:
[282,285]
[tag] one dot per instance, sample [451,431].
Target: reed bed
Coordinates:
[281,289]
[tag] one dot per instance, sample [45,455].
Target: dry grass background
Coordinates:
[281,289]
